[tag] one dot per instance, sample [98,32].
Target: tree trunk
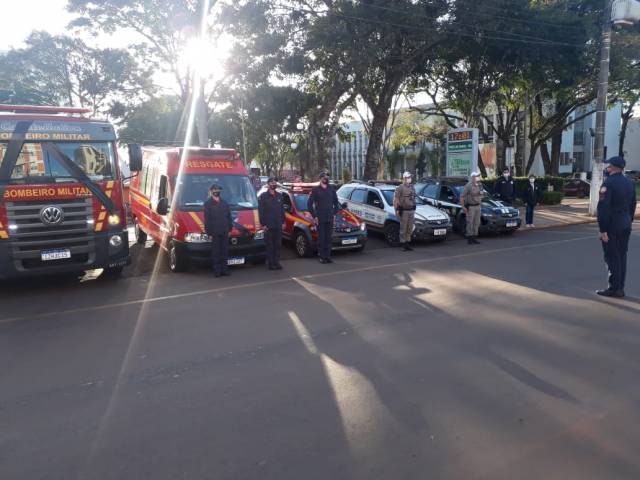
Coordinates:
[532,158]
[546,158]
[626,116]
[556,144]
[376,137]
[501,155]
[201,119]
[481,167]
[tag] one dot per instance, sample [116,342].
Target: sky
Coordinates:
[23,16]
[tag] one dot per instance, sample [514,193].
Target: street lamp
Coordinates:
[622,13]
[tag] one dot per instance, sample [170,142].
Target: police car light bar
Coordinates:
[42,109]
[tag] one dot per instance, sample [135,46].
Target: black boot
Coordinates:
[406,247]
[474,241]
[470,240]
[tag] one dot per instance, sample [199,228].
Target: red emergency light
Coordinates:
[42,109]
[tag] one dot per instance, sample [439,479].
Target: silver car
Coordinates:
[374,204]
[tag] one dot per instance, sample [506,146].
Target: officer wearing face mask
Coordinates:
[505,188]
[271,212]
[323,205]
[218,224]
[532,196]
[616,210]
[404,203]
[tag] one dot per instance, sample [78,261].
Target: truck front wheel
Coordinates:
[141,237]
[178,262]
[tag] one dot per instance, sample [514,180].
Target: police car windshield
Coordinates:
[237,191]
[37,163]
[388,196]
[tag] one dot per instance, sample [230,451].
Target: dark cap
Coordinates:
[323,174]
[215,186]
[617,162]
[272,179]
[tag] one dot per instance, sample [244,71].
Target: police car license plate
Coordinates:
[440,231]
[235,261]
[349,241]
[512,224]
[57,254]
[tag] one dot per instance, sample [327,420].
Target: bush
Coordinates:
[551,198]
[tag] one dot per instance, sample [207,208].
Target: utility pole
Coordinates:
[601,110]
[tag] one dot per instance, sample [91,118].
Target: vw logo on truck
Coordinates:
[51,215]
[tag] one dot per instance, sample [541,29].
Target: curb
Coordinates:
[559,225]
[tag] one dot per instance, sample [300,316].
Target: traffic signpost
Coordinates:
[462,151]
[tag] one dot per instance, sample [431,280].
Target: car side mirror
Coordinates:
[344,205]
[163,206]
[135,157]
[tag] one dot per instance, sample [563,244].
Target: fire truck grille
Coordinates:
[30,233]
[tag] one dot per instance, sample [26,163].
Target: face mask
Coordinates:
[407,181]
[505,175]
[532,181]
[272,187]
[325,180]
[216,194]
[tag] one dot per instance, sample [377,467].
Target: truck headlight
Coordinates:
[196,237]
[114,219]
[363,227]
[115,241]
[259,235]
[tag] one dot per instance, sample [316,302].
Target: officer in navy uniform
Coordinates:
[505,188]
[323,205]
[218,224]
[271,211]
[616,210]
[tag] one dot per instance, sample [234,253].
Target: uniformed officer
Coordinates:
[616,210]
[323,205]
[218,224]
[271,211]
[404,203]
[470,199]
[505,188]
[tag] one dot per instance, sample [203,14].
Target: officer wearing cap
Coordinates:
[323,205]
[505,188]
[616,210]
[218,224]
[404,203]
[271,212]
[470,200]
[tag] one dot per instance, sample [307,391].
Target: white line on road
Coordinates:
[210,291]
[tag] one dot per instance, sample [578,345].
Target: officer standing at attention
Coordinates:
[505,188]
[616,209]
[271,211]
[217,224]
[470,200]
[323,205]
[404,203]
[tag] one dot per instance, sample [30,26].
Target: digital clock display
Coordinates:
[460,136]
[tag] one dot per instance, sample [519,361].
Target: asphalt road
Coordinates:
[451,362]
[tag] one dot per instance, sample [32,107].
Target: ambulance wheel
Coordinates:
[141,237]
[302,244]
[392,234]
[177,261]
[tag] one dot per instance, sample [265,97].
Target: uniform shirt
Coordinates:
[217,217]
[271,209]
[532,194]
[472,193]
[405,197]
[323,203]
[617,205]
[505,189]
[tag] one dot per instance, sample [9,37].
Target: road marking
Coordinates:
[210,291]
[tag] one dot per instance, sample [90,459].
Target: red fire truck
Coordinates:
[61,204]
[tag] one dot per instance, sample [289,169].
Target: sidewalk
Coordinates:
[571,211]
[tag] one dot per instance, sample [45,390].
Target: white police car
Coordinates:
[373,203]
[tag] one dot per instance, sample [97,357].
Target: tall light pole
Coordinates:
[621,13]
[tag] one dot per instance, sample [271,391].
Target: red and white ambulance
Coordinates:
[167,204]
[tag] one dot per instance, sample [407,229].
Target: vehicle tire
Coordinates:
[113,271]
[141,236]
[302,244]
[177,261]
[359,249]
[508,232]
[258,260]
[392,234]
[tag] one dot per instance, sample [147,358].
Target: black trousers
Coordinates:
[273,240]
[220,252]
[325,232]
[615,255]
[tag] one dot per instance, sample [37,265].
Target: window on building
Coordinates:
[578,132]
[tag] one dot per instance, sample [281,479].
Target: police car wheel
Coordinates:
[141,237]
[113,272]
[177,261]
[392,234]
[302,244]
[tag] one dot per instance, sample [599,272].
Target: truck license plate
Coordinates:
[235,261]
[512,224]
[58,254]
[349,241]
[440,231]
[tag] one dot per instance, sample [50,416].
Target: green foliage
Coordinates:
[551,198]
[155,121]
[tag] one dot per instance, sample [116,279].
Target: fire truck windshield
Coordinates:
[237,191]
[37,164]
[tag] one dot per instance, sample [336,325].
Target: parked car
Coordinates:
[349,232]
[374,204]
[444,193]
[576,187]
